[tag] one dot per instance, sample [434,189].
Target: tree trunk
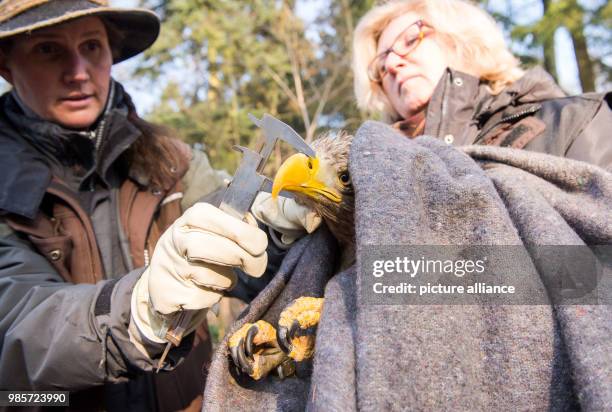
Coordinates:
[585,64]
[549,48]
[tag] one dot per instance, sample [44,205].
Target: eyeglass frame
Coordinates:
[419,38]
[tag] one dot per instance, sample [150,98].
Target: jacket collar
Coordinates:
[461,103]
[31,151]
[535,86]
[452,104]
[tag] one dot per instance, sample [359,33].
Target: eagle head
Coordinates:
[323,183]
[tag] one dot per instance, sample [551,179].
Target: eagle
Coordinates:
[322,183]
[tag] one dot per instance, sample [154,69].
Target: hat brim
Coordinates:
[139,27]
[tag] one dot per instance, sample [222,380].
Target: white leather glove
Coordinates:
[192,265]
[285,216]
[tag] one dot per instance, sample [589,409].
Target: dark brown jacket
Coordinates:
[67,240]
[63,319]
[533,113]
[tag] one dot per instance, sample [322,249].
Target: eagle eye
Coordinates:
[345,178]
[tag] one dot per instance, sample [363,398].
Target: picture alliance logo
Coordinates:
[477,288]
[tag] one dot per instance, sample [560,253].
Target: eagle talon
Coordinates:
[254,350]
[240,359]
[248,343]
[283,341]
[297,327]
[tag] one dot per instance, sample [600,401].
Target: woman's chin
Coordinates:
[76,120]
[413,110]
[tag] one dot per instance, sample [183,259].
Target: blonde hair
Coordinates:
[469,33]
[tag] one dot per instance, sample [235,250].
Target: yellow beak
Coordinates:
[299,173]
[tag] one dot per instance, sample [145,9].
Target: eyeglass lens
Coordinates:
[405,42]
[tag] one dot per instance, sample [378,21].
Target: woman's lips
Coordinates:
[402,83]
[78,101]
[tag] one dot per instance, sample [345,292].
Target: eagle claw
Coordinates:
[258,348]
[297,327]
[254,349]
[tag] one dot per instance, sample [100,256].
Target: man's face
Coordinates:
[62,73]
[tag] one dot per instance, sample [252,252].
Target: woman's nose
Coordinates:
[393,63]
[76,69]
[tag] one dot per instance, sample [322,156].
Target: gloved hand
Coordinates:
[192,265]
[285,216]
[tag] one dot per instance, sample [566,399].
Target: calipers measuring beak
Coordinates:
[248,179]
[247,182]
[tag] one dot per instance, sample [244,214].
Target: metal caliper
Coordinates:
[247,182]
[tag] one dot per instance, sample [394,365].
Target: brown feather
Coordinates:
[333,150]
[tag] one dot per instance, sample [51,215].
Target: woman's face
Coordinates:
[62,72]
[410,80]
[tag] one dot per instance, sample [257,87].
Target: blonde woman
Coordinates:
[442,68]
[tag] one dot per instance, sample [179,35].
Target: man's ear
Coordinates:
[5,71]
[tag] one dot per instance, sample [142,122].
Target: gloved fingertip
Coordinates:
[256,266]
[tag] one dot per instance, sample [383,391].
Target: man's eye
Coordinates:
[47,48]
[92,45]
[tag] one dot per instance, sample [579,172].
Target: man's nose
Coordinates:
[77,68]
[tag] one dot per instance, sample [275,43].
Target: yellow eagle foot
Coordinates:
[255,351]
[297,327]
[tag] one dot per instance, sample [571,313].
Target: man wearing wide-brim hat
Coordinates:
[100,246]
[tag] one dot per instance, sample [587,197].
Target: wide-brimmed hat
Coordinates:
[138,27]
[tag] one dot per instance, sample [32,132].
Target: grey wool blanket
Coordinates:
[476,357]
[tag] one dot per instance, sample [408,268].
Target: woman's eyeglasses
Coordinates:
[404,43]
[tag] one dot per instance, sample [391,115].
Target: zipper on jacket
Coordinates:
[512,117]
[444,105]
[99,134]
[96,135]
[102,125]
